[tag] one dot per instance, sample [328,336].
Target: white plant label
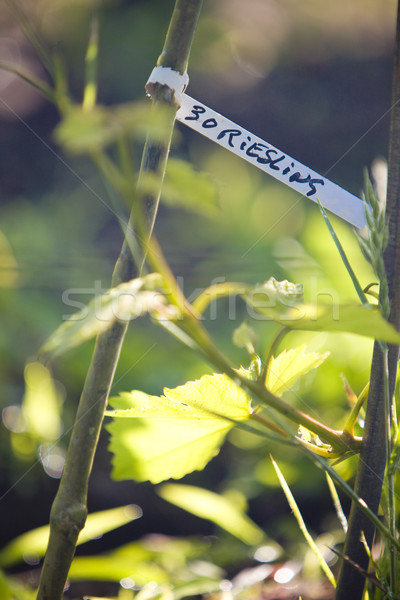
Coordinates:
[271,160]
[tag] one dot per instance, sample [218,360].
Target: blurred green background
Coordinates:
[311,77]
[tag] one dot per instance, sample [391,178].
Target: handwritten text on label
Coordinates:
[271,160]
[262,153]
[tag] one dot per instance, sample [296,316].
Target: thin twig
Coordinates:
[42,87]
[32,35]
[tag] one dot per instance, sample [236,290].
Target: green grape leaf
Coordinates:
[85,131]
[34,543]
[346,318]
[214,507]
[109,567]
[160,437]
[154,558]
[184,186]
[124,302]
[289,366]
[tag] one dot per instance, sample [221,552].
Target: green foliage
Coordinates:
[155,559]
[36,425]
[183,187]
[114,567]
[349,318]
[10,589]
[84,131]
[244,336]
[281,301]
[187,188]
[34,543]
[289,366]
[158,437]
[155,437]
[125,302]
[41,403]
[277,294]
[214,507]
[168,436]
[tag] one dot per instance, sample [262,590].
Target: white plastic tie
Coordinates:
[175,81]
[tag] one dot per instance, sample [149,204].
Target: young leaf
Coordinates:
[41,405]
[34,542]
[152,559]
[276,295]
[289,366]
[346,318]
[85,131]
[216,508]
[111,567]
[185,187]
[123,303]
[155,438]
[244,336]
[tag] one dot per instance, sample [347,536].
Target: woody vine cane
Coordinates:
[373,451]
[69,510]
